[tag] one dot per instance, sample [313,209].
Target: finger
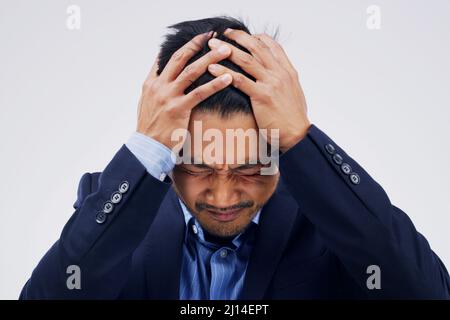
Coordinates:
[202,92]
[257,47]
[198,67]
[240,81]
[179,59]
[278,52]
[153,72]
[243,59]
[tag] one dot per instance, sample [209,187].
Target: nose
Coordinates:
[222,192]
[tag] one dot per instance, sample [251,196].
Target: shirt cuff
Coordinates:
[158,159]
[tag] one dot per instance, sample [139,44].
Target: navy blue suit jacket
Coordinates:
[318,233]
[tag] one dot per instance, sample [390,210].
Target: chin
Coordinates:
[225,233]
[225,229]
[226,226]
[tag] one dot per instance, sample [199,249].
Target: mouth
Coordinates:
[225,216]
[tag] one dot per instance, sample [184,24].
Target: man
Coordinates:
[151,227]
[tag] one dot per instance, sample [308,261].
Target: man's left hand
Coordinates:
[277,98]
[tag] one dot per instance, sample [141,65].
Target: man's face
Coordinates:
[224,195]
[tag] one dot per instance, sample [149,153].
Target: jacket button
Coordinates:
[124,186]
[345,167]
[330,148]
[100,218]
[116,197]
[108,207]
[354,178]
[337,158]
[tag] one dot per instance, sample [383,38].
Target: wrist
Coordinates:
[293,138]
[157,158]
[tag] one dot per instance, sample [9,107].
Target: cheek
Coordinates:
[259,188]
[188,187]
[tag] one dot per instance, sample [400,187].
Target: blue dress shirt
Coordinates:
[209,271]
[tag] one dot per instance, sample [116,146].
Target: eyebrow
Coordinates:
[243,166]
[247,166]
[201,165]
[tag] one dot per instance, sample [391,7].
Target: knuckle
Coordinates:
[189,71]
[190,50]
[260,43]
[252,46]
[233,33]
[265,38]
[195,44]
[247,59]
[263,45]
[216,55]
[181,82]
[172,111]
[160,98]
[178,55]
[264,93]
[264,96]
[199,95]
[212,56]
[238,79]
[149,87]
[276,83]
[154,88]
[215,85]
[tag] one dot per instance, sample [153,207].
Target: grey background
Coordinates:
[68,100]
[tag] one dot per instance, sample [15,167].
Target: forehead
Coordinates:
[233,139]
[214,120]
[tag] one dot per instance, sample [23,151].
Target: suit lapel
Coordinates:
[164,250]
[277,218]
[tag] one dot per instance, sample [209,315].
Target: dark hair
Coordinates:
[225,101]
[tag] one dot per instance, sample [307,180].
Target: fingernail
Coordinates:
[213,42]
[213,67]
[227,30]
[225,78]
[223,49]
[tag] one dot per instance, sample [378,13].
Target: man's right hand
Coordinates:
[163,106]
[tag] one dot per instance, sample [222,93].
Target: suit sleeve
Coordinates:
[100,244]
[358,223]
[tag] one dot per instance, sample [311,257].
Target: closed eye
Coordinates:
[196,171]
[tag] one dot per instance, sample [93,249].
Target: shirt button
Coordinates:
[223,253]
[108,207]
[337,158]
[330,148]
[194,229]
[116,197]
[354,178]
[345,167]
[124,186]
[100,218]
